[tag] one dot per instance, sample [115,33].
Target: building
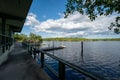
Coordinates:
[12,17]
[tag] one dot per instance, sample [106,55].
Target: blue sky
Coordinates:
[46,18]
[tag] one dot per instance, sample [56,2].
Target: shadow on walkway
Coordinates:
[21,66]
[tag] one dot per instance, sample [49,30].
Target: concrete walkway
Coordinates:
[21,66]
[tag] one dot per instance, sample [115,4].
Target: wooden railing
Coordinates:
[61,65]
[5,42]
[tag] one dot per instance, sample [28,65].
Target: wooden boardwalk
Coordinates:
[21,66]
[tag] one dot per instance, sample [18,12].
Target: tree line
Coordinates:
[81,39]
[24,38]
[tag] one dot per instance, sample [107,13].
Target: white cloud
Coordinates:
[31,20]
[75,25]
[61,14]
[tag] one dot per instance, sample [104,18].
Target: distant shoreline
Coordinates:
[80,39]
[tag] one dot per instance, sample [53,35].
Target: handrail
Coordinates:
[52,70]
[5,36]
[6,42]
[81,70]
[62,64]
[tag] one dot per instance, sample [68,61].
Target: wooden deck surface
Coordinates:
[21,66]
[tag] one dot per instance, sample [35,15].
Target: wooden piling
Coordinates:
[81,48]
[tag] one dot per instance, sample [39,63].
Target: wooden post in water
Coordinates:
[53,47]
[53,44]
[82,48]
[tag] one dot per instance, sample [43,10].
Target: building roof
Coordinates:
[15,12]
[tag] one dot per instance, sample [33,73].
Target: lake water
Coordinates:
[99,57]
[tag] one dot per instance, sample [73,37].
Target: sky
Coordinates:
[46,18]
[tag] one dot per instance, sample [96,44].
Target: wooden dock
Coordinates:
[53,48]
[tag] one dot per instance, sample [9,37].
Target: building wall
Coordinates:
[8,45]
[0,37]
[7,38]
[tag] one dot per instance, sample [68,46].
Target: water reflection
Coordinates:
[99,57]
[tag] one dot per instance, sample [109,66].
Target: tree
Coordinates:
[23,38]
[20,37]
[93,8]
[35,38]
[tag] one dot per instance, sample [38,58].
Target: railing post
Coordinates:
[42,59]
[3,48]
[28,47]
[61,71]
[34,52]
[31,50]
[6,42]
[9,46]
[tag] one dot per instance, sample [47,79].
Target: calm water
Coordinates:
[99,57]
